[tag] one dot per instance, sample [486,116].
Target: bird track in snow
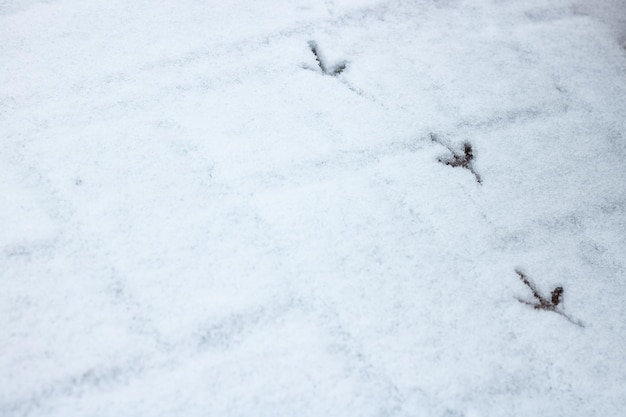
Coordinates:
[543,303]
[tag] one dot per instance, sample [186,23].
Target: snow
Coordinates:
[197,221]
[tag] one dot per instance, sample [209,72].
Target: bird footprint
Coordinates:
[457,159]
[542,303]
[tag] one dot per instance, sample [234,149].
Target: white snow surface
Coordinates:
[197,221]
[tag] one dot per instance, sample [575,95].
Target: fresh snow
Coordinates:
[196,220]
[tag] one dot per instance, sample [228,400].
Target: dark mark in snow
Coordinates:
[542,302]
[45,399]
[232,330]
[335,71]
[321,62]
[458,159]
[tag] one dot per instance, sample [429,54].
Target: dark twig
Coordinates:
[542,302]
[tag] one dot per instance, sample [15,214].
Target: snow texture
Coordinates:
[236,208]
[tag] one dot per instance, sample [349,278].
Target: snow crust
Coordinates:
[197,221]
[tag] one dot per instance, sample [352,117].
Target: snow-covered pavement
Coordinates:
[307,208]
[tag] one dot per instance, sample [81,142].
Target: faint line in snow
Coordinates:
[233,329]
[74,386]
